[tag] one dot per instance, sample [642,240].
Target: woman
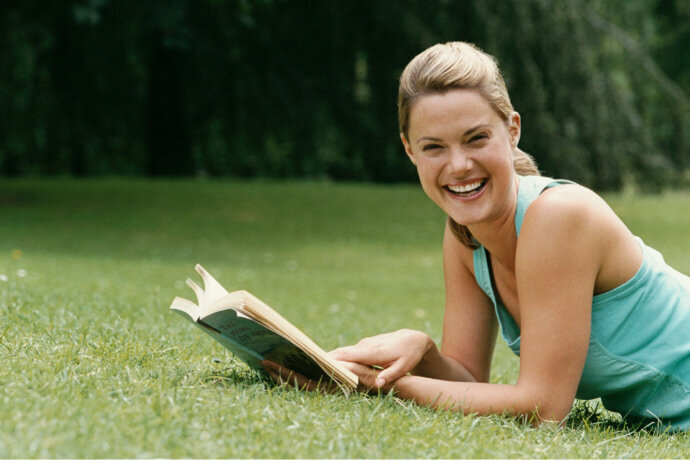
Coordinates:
[591,311]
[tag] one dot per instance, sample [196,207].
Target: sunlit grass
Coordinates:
[92,364]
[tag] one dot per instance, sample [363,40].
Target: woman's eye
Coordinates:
[479,137]
[430,147]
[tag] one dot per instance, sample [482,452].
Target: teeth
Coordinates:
[465,188]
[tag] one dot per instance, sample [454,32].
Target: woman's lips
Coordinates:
[468,189]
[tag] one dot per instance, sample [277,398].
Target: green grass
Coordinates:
[92,364]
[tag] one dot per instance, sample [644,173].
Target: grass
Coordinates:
[92,364]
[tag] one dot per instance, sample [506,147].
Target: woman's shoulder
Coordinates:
[570,213]
[571,221]
[568,201]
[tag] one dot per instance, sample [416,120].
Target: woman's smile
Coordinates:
[467,190]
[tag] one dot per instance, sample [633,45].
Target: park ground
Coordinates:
[92,363]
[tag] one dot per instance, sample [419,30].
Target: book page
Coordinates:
[212,291]
[185,308]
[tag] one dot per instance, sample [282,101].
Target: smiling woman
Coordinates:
[445,67]
[463,152]
[589,308]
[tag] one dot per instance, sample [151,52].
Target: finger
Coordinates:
[273,370]
[357,368]
[280,374]
[284,376]
[372,379]
[392,373]
[288,376]
[366,374]
[301,382]
[266,364]
[365,355]
[276,378]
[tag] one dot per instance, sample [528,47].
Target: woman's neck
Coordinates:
[499,240]
[498,236]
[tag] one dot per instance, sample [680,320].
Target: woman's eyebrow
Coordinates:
[466,133]
[476,128]
[428,138]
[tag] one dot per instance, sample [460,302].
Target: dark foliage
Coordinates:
[298,88]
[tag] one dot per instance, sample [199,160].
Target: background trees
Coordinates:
[302,88]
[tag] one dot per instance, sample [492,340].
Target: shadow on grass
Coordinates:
[236,375]
[590,414]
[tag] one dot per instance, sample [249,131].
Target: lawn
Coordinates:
[92,363]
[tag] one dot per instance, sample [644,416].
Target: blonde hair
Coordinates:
[455,65]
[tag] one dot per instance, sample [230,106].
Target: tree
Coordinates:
[295,88]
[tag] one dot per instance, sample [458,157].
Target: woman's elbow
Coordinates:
[552,415]
[547,408]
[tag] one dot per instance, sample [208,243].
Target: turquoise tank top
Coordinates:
[638,360]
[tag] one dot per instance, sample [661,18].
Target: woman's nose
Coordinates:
[459,162]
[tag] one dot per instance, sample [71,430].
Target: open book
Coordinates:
[253,331]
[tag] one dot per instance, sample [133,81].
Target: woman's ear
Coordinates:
[408,150]
[514,129]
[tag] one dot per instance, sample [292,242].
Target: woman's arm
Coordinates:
[568,240]
[469,336]
[559,254]
[469,321]
[469,332]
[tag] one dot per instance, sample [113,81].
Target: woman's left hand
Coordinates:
[283,376]
[369,381]
[397,353]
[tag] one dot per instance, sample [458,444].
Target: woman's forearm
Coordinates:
[436,366]
[476,398]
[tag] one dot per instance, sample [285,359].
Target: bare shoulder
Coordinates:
[570,200]
[564,234]
[574,222]
[573,211]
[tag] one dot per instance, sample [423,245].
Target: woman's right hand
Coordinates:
[397,353]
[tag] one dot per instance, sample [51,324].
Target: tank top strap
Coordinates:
[529,189]
[483,274]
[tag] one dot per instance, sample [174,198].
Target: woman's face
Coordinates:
[463,152]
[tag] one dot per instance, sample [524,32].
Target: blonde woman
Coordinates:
[591,311]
